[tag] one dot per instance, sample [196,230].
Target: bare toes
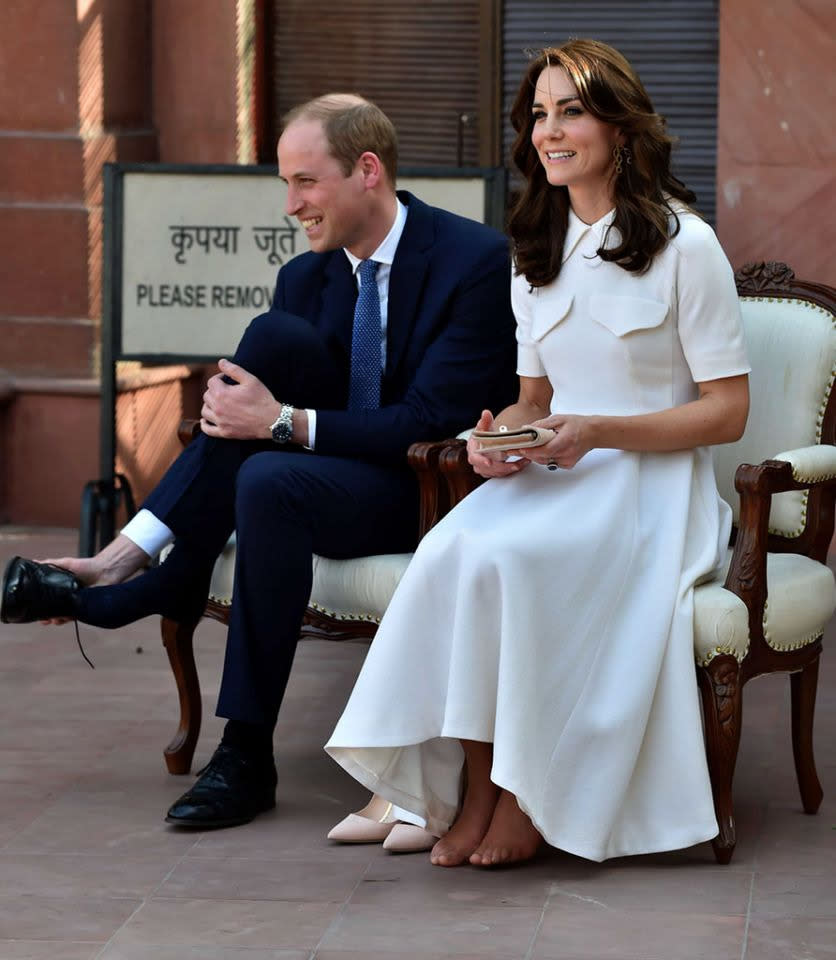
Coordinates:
[495,857]
[447,855]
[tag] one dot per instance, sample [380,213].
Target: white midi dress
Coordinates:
[550,613]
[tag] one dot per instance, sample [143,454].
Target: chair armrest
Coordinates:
[458,474]
[756,485]
[434,494]
[811,465]
[187,431]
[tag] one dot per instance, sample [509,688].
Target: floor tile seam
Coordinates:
[85,943]
[277,859]
[30,852]
[84,854]
[300,859]
[174,866]
[121,927]
[69,896]
[825,873]
[258,898]
[745,944]
[529,953]
[340,912]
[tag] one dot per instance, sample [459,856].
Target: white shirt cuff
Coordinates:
[148,532]
[311,428]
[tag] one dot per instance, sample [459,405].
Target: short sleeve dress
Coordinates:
[551,612]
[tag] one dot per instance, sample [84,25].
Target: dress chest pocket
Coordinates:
[548,313]
[623,315]
[637,332]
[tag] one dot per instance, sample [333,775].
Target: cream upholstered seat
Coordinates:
[802,598]
[767,608]
[344,590]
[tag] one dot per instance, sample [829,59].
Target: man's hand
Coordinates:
[243,410]
[492,464]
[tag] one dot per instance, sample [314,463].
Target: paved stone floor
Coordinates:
[88,868]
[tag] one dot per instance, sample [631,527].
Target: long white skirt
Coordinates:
[551,614]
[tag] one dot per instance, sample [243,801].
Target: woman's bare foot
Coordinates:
[510,838]
[471,824]
[480,799]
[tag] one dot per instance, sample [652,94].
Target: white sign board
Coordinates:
[200,253]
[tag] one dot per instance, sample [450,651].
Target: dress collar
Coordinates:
[576,229]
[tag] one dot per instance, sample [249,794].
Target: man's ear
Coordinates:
[371,168]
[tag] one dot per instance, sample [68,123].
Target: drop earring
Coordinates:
[621,155]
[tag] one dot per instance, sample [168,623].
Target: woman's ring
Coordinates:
[551,464]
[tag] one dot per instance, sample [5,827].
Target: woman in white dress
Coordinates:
[540,642]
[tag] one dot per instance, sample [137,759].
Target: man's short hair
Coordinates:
[352,126]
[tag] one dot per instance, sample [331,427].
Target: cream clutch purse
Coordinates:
[518,439]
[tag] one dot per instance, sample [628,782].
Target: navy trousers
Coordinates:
[285,504]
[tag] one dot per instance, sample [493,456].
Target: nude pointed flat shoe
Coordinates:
[372,824]
[409,838]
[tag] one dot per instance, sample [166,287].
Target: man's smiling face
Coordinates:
[332,208]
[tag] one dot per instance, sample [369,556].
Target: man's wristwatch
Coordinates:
[282,430]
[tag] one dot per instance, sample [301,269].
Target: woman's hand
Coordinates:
[572,440]
[491,464]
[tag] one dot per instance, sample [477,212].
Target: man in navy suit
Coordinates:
[305,432]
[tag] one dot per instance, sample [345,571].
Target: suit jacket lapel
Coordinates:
[338,299]
[406,280]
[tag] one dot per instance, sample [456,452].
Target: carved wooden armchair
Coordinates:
[766,613]
[768,610]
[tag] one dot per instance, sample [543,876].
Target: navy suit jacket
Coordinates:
[450,343]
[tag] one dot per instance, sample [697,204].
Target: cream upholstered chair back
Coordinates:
[768,610]
[791,343]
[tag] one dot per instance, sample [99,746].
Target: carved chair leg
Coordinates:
[722,703]
[177,640]
[803,689]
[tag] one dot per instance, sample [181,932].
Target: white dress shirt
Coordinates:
[146,530]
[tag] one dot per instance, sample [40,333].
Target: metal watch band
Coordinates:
[282,429]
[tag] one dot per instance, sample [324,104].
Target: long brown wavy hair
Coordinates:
[609,88]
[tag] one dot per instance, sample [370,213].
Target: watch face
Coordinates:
[282,429]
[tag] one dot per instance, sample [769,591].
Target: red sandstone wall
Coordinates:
[194,67]
[44,324]
[78,89]
[776,163]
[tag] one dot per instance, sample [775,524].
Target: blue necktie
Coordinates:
[364,387]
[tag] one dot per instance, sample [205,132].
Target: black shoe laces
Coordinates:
[78,641]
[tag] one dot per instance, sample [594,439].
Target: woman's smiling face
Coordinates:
[575,148]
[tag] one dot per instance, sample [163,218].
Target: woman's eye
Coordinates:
[572,112]
[538,115]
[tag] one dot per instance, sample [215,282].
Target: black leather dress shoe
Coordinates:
[37,591]
[232,789]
